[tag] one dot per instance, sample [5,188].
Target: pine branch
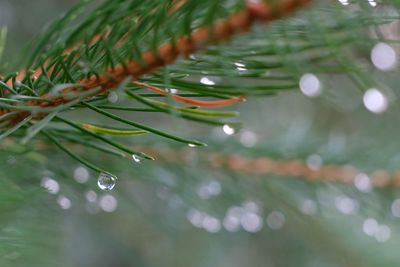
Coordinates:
[121,44]
[165,54]
[36,104]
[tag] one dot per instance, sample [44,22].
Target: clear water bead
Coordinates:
[228,130]
[106,181]
[136,158]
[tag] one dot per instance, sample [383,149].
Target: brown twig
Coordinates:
[295,168]
[193,102]
[262,166]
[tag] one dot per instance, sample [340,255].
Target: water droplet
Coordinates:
[346,205]
[375,101]
[195,217]
[108,203]
[191,145]
[207,81]
[137,158]
[383,56]
[251,206]
[370,226]
[251,222]
[344,2]
[106,181]
[173,90]
[228,129]
[211,224]
[372,2]
[308,207]
[363,183]
[314,162]
[64,202]
[231,223]
[91,196]
[210,189]
[383,233]
[232,220]
[240,65]
[81,175]
[248,138]
[51,185]
[276,220]
[310,85]
[112,97]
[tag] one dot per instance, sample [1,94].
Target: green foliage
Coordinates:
[266,61]
[152,225]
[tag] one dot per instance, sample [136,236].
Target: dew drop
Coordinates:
[240,65]
[384,57]
[383,233]
[112,97]
[207,81]
[248,138]
[314,162]
[91,196]
[51,185]
[173,91]
[375,101]
[106,181]
[108,203]
[370,226]
[195,217]
[136,158]
[251,222]
[276,220]
[192,145]
[310,85]
[346,205]
[344,2]
[81,175]
[308,207]
[64,202]
[363,183]
[211,224]
[228,129]
[372,2]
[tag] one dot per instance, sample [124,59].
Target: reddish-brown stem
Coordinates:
[279,167]
[193,102]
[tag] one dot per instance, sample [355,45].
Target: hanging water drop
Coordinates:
[137,158]
[106,181]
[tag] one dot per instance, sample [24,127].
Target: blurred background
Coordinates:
[220,205]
